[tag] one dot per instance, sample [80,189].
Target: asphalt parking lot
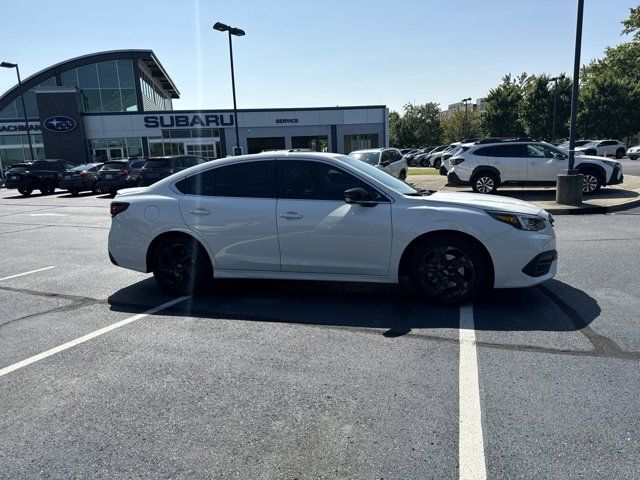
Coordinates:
[266,379]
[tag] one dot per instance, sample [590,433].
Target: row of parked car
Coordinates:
[107,177]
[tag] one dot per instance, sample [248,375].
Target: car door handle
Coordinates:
[290,215]
[199,211]
[534,163]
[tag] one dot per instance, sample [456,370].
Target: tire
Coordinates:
[591,181]
[403,175]
[74,192]
[437,164]
[447,269]
[620,153]
[180,265]
[484,182]
[424,162]
[94,188]
[113,192]
[47,188]
[25,191]
[633,157]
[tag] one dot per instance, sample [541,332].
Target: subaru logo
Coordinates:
[59,123]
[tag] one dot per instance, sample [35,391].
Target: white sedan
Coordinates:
[318,216]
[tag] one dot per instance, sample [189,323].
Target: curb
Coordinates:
[594,210]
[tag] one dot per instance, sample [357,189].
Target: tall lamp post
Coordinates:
[238,32]
[24,110]
[555,98]
[464,125]
[569,185]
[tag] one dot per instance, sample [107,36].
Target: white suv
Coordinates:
[320,216]
[489,163]
[610,148]
[388,160]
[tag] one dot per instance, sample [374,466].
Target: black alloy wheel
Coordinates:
[47,188]
[447,271]
[180,266]
[25,191]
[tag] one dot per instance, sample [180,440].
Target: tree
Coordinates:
[563,106]
[632,24]
[453,126]
[419,126]
[502,105]
[609,108]
[536,108]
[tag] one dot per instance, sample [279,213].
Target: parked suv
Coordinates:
[156,168]
[81,178]
[117,174]
[634,152]
[610,148]
[388,160]
[489,163]
[42,175]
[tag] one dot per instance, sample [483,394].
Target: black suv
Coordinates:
[157,168]
[42,175]
[81,178]
[117,174]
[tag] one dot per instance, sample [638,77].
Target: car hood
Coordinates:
[485,202]
[594,159]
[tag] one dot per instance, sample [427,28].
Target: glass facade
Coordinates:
[15,148]
[360,142]
[102,149]
[153,93]
[204,142]
[105,86]
[14,109]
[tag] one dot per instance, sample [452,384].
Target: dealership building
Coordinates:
[119,104]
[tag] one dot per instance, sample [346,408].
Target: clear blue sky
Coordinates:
[304,53]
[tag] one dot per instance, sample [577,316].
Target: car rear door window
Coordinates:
[247,179]
[308,180]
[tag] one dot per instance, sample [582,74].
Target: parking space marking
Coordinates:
[27,273]
[89,336]
[470,441]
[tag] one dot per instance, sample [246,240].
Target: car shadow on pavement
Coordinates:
[395,309]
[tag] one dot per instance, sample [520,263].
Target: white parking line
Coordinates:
[470,441]
[89,336]
[28,273]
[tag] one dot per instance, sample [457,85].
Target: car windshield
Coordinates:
[368,157]
[114,166]
[381,176]
[80,168]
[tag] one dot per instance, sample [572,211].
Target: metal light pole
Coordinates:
[238,32]
[24,110]
[464,125]
[569,186]
[555,97]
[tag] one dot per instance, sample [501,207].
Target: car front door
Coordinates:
[319,232]
[544,163]
[233,209]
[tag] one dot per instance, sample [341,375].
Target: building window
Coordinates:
[102,149]
[203,142]
[317,144]
[360,142]
[257,145]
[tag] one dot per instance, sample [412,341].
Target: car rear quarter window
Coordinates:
[156,163]
[247,179]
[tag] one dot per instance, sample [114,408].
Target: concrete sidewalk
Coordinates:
[608,199]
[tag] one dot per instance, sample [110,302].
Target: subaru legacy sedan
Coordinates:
[322,216]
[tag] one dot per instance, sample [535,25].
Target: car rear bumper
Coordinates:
[21,183]
[116,183]
[127,247]
[76,184]
[453,178]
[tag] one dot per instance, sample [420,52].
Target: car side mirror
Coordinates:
[561,156]
[359,196]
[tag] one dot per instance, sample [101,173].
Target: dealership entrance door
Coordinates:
[104,154]
[202,148]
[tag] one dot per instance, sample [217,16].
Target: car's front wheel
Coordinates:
[591,182]
[180,265]
[620,153]
[447,270]
[25,191]
[437,164]
[47,188]
[485,182]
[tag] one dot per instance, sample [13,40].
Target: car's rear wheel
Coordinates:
[484,182]
[25,191]
[591,181]
[113,192]
[403,175]
[633,157]
[447,270]
[619,153]
[47,188]
[74,192]
[424,162]
[437,164]
[180,265]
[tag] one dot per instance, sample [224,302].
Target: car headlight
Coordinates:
[521,221]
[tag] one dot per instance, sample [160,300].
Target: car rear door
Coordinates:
[232,207]
[511,161]
[319,232]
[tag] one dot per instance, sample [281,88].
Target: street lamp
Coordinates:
[555,97]
[238,32]
[569,185]
[24,110]
[464,125]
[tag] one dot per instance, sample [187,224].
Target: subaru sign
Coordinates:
[59,123]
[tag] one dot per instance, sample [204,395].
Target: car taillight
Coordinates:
[125,172]
[117,207]
[80,174]
[456,161]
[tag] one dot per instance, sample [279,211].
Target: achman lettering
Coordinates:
[185,121]
[19,128]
